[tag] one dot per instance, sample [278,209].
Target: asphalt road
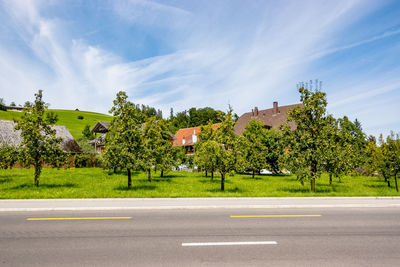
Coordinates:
[339,237]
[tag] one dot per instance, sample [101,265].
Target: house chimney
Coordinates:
[255,113]
[275,108]
[194,137]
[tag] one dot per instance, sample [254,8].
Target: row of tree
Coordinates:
[137,140]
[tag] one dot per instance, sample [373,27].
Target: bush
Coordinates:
[3,107]
[8,156]
[80,117]
[86,160]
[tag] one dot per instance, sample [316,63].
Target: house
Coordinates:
[271,118]
[187,137]
[15,108]
[13,138]
[101,128]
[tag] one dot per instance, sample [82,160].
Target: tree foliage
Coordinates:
[253,146]
[157,144]
[387,156]
[305,146]
[227,156]
[39,144]
[194,117]
[206,150]
[123,144]
[8,156]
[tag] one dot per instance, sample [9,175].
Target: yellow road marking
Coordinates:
[273,216]
[78,218]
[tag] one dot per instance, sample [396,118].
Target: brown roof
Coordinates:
[187,135]
[271,118]
[100,127]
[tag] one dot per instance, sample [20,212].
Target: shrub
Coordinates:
[80,117]
[86,160]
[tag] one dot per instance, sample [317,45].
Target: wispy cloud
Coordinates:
[201,54]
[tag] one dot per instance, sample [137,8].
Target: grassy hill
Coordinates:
[69,118]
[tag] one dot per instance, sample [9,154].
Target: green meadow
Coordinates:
[69,118]
[99,183]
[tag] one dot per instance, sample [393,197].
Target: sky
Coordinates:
[181,54]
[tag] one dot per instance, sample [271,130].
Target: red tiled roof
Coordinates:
[268,117]
[187,135]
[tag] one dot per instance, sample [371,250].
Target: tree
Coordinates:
[356,139]
[206,150]
[12,104]
[39,142]
[123,143]
[2,105]
[227,155]
[8,156]
[206,156]
[389,158]
[305,145]
[157,146]
[87,133]
[338,154]
[252,146]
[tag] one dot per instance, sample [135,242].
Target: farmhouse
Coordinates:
[13,138]
[271,118]
[187,137]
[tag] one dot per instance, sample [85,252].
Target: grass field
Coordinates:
[98,183]
[69,118]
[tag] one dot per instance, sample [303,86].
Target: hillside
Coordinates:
[69,118]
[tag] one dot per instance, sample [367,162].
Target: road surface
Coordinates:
[202,237]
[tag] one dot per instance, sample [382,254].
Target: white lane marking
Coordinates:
[229,243]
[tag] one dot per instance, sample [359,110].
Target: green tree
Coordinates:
[204,157]
[8,156]
[87,134]
[305,145]
[252,146]
[39,144]
[227,156]
[389,158]
[338,156]
[357,140]
[163,153]
[123,143]
[157,146]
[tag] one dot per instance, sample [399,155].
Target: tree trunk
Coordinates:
[253,174]
[38,169]
[222,182]
[206,173]
[330,179]
[149,175]
[129,178]
[115,170]
[313,185]
[395,182]
[388,182]
[162,173]
[212,175]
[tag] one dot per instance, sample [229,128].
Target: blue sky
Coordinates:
[184,54]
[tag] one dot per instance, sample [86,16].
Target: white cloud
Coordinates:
[248,58]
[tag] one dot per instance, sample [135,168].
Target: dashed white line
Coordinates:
[229,243]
